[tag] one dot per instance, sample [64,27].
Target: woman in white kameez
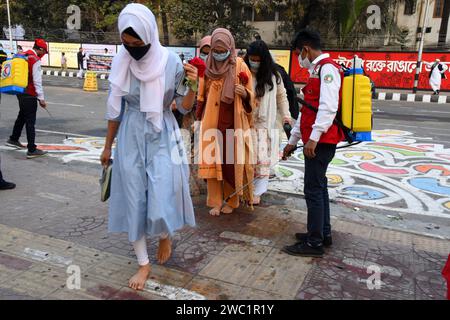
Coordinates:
[271,99]
[437,73]
[150,177]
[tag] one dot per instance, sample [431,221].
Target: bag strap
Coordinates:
[337,121]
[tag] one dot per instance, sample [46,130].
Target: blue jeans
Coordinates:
[316,194]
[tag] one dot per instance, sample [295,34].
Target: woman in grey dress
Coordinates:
[150,181]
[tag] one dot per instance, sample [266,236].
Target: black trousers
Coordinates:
[1,175]
[27,117]
[316,194]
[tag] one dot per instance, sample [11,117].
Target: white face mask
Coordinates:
[304,63]
[254,65]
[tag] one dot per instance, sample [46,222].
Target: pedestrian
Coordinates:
[320,136]
[291,92]
[106,51]
[63,62]
[271,99]
[149,187]
[80,58]
[241,54]
[205,48]
[29,100]
[3,58]
[437,73]
[19,49]
[4,185]
[3,55]
[225,104]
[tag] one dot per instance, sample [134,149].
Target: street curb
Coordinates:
[72,74]
[411,97]
[407,97]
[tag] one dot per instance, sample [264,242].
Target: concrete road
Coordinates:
[426,120]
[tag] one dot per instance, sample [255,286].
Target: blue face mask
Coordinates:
[203,56]
[221,56]
[254,65]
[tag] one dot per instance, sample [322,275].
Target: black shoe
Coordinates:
[7,185]
[36,153]
[15,144]
[303,237]
[302,249]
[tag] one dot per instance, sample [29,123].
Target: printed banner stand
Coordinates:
[90,82]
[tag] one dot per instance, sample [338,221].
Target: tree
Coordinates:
[190,20]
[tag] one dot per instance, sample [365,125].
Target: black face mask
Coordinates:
[137,52]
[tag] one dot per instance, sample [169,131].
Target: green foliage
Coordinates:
[190,20]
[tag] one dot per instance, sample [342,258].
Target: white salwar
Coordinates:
[266,137]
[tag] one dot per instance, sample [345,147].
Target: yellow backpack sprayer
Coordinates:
[14,75]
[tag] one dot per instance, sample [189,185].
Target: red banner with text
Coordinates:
[386,69]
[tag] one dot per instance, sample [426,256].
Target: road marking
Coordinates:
[434,111]
[54,197]
[64,133]
[43,256]
[415,127]
[172,293]
[66,104]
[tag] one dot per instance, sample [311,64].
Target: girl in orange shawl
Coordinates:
[225,103]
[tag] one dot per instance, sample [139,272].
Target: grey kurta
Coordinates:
[150,187]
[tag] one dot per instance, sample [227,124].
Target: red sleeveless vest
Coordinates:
[311,92]
[32,59]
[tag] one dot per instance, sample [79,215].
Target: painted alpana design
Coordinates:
[397,171]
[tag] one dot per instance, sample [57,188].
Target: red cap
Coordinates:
[41,44]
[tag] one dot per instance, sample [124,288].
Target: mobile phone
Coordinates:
[182,89]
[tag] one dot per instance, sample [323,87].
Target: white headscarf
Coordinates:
[150,70]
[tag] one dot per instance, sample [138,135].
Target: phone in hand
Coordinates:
[183,89]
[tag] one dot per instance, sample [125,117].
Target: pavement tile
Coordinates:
[354,229]
[254,294]
[245,253]
[89,289]
[38,282]
[228,270]
[432,245]
[280,274]
[398,238]
[9,294]
[130,294]
[214,289]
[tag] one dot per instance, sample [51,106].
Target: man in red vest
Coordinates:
[29,100]
[320,135]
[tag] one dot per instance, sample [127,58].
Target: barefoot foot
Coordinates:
[164,250]
[256,201]
[227,209]
[137,282]
[215,211]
